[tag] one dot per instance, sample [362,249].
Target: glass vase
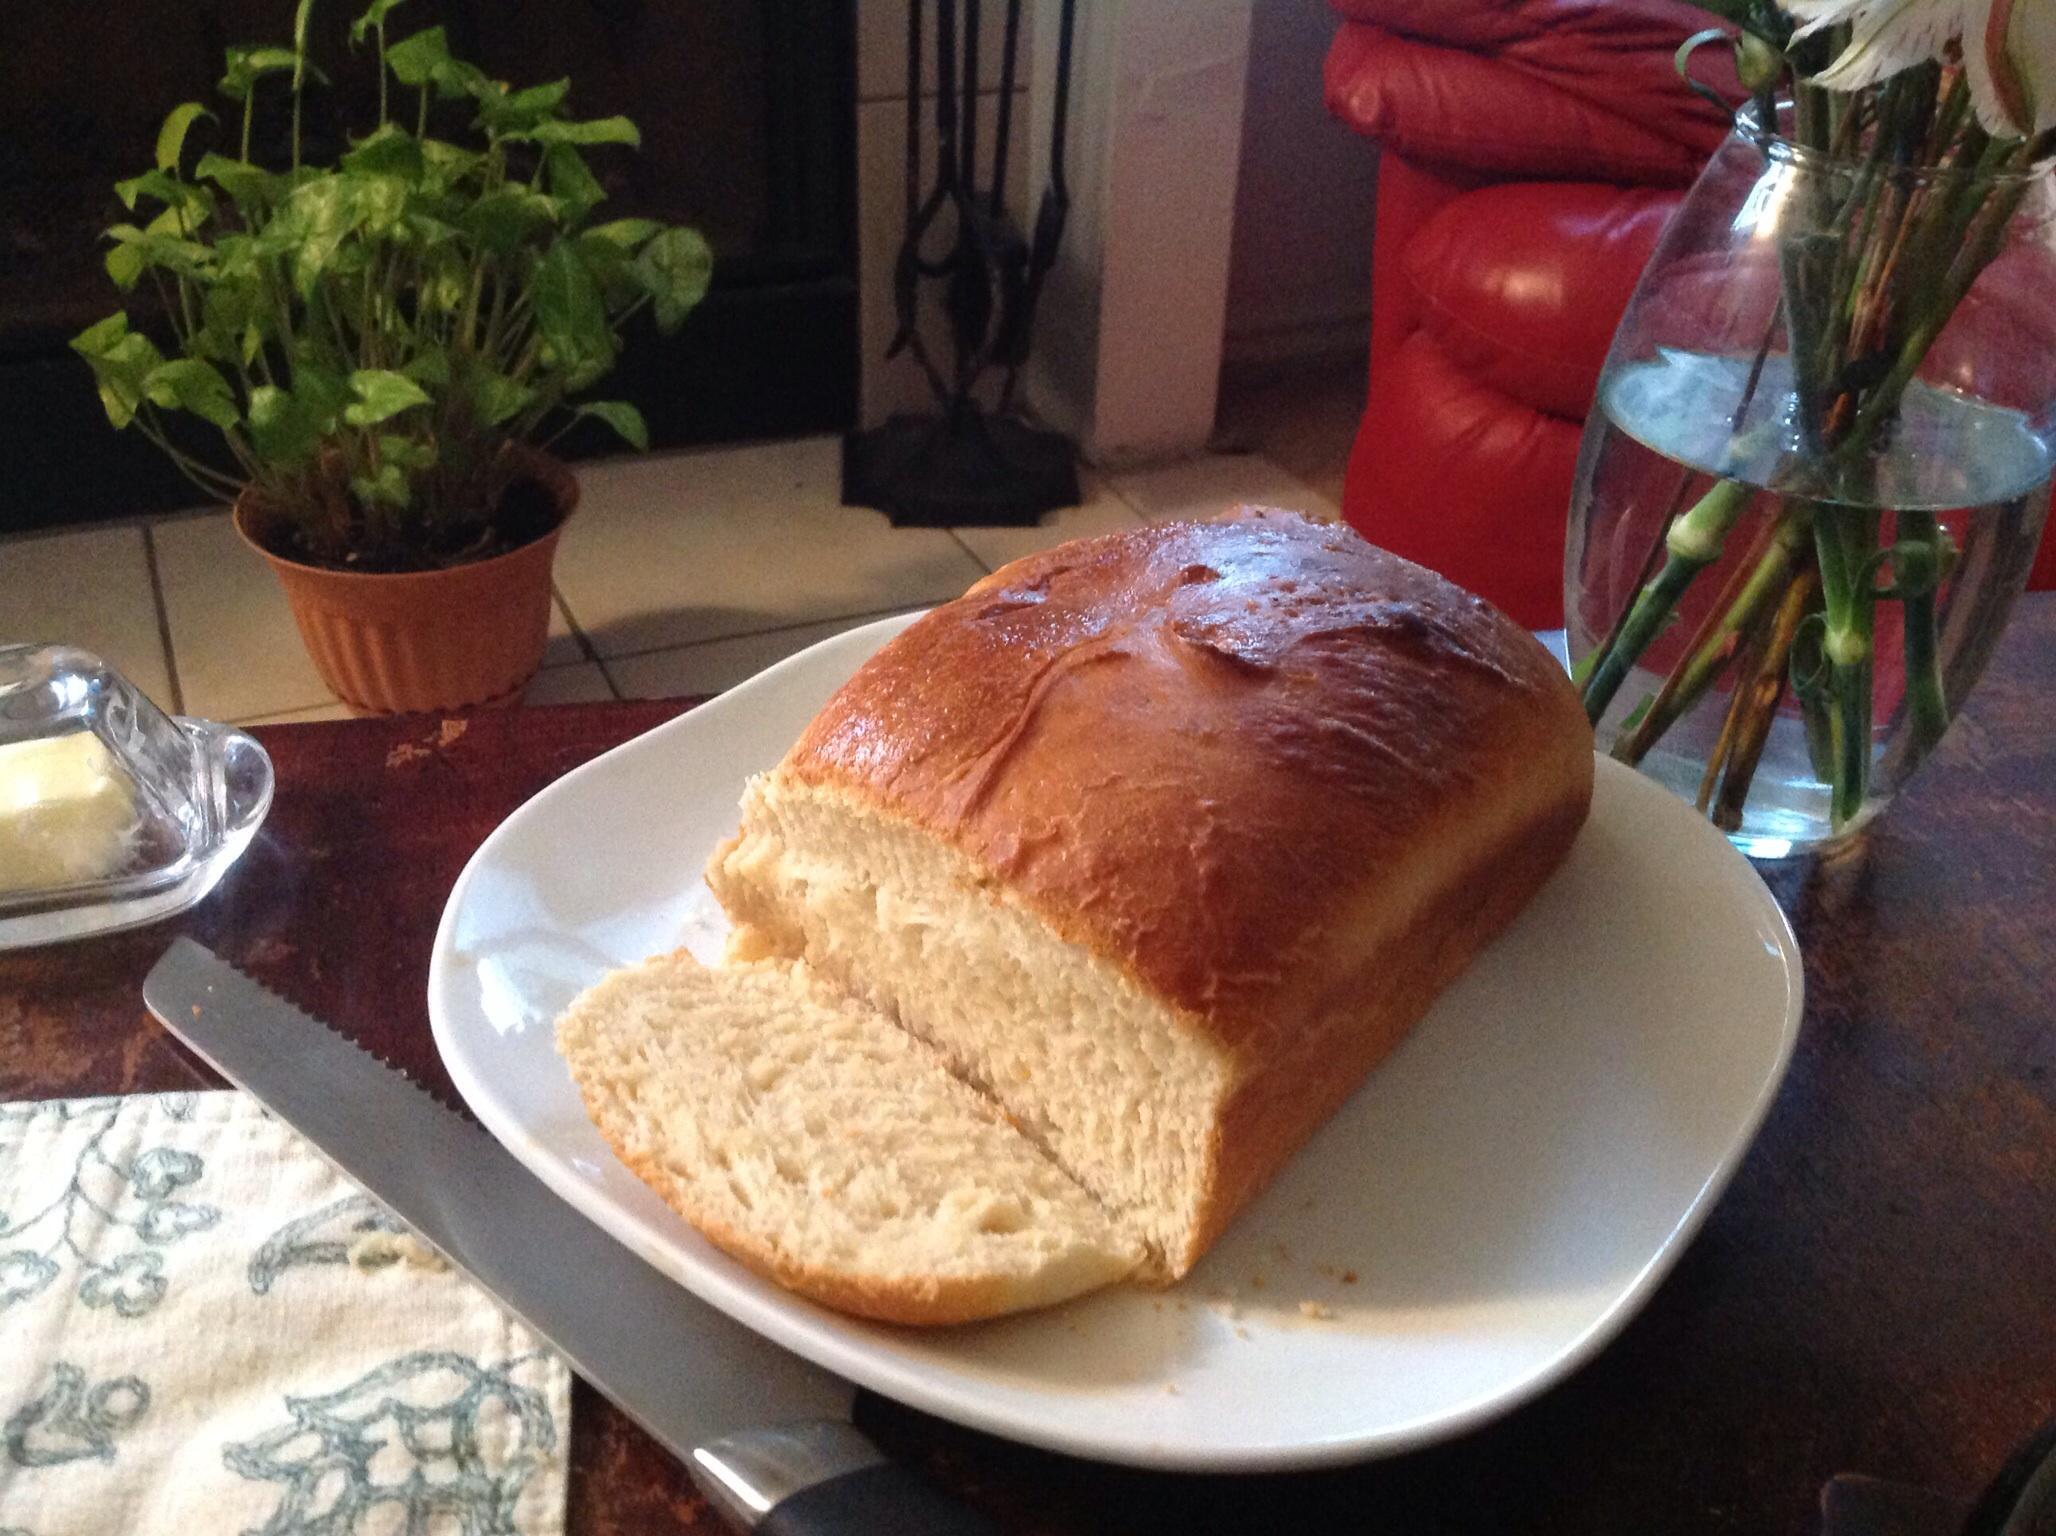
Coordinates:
[1813,480]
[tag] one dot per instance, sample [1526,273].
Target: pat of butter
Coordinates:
[67,813]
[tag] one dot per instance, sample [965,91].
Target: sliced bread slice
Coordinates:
[824,1147]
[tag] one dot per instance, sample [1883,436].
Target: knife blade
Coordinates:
[765,1435]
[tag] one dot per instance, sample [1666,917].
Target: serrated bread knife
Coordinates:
[765,1435]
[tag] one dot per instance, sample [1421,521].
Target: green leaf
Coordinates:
[234,318]
[609,249]
[325,390]
[235,256]
[389,151]
[410,453]
[388,488]
[380,395]
[674,269]
[275,428]
[626,233]
[570,315]
[540,98]
[121,361]
[428,231]
[455,78]
[189,384]
[248,185]
[513,111]
[124,264]
[160,246]
[380,201]
[496,398]
[287,428]
[166,189]
[450,161]
[246,66]
[303,14]
[375,13]
[500,221]
[444,286]
[599,130]
[612,268]
[571,182]
[413,60]
[587,372]
[624,418]
[171,138]
[99,338]
[175,224]
[320,215]
[432,367]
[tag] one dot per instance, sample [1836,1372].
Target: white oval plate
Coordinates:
[1481,1218]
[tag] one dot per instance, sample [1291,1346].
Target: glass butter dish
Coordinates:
[112,813]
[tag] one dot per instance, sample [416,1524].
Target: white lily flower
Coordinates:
[2009,51]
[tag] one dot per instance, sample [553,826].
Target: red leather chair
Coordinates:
[1532,151]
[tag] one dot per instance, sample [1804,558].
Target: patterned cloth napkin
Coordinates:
[205,1328]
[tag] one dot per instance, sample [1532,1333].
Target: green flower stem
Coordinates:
[1949,262]
[1843,544]
[1849,734]
[1581,671]
[1766,584]
[1820,734]
[1692,544]
[1926,702]
[1731,720]
[1760,694]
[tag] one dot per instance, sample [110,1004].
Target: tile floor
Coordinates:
[681,574]
[1301,413]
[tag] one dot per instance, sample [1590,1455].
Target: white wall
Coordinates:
[1299,276]
[1127,352]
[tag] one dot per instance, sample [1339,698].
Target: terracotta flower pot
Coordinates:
[390,643]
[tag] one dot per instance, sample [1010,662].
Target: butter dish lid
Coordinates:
[112,813]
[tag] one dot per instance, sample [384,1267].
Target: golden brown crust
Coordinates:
[1288,782]
[1276,1107]
[1195,749]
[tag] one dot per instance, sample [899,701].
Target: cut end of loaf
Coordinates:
[820,1145]
[1111,1084]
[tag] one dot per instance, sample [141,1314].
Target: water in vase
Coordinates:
[1669,428]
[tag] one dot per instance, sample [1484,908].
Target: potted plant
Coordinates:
[389,345]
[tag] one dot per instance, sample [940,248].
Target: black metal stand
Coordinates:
[965,463]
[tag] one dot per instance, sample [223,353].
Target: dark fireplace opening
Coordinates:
[747,114]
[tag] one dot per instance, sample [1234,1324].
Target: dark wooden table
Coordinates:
[1876,1293]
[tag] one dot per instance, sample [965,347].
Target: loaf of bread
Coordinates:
[1160,842]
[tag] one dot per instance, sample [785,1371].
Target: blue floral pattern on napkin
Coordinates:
[141,1198]
[206,1328]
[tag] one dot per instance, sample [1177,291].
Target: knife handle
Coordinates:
[880,1498]
[823,1478]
